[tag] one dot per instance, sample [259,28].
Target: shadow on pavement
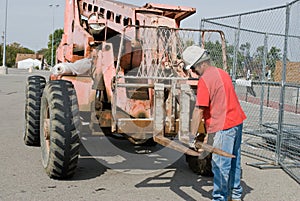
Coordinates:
[182,181]
[100,153]
[88,167]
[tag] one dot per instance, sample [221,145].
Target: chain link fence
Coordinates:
[161,50]
[263,59]
[152,56]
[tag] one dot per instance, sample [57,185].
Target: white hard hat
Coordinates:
[194,54]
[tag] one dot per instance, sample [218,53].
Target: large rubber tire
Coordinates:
[34,90]
[59,129]
[200,166]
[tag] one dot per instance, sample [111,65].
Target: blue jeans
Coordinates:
[227,171]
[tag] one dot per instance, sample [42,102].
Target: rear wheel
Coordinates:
[59,129]
[34,90]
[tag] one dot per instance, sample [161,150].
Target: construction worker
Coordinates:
[218,105]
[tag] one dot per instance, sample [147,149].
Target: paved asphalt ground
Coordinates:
[23,178]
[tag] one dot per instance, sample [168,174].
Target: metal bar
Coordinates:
[282,92]
[135,85]
[264,64]
[268,96]
[136,126]
[224,56]
[245,13]
[184,121]
[293,2]
[176,29]
[3,69]
[170,109]
[114,107]
[275,83]
[115,85]
[264,165]
[159,114]
[5,35]
[237,41]
[201,26]
[173,110]
[118,67]
[251,31]
[140,85]
[152,77]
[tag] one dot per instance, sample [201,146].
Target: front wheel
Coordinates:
[59,129]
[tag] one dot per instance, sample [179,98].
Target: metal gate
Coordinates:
[264,61]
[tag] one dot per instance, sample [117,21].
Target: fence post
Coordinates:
[264,64]
[201,27]
[282,92]
[236,47]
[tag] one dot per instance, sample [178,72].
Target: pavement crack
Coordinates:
[14,92]
[100,189]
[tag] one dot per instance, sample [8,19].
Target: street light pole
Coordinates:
[3,69]
[52,38]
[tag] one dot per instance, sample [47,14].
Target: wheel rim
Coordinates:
[47,133]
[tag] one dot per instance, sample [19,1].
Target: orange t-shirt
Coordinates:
[216,92]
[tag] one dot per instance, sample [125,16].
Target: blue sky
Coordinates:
[30,22]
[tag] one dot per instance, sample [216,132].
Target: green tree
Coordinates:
[244,61]
[229,56]
[273,55]
[245,49]
[56,40]
[11,53]
[42,51]
[215,52]
[258,55]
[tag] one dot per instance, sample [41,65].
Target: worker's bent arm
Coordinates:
[196,119]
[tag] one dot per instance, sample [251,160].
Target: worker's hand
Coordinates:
[204,144]
[196,142]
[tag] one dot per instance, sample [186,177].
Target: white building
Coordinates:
[29,63]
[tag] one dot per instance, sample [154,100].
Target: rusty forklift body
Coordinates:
[133,80]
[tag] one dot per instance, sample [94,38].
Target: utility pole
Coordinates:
[3,68]
[2,37]
[52,38]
